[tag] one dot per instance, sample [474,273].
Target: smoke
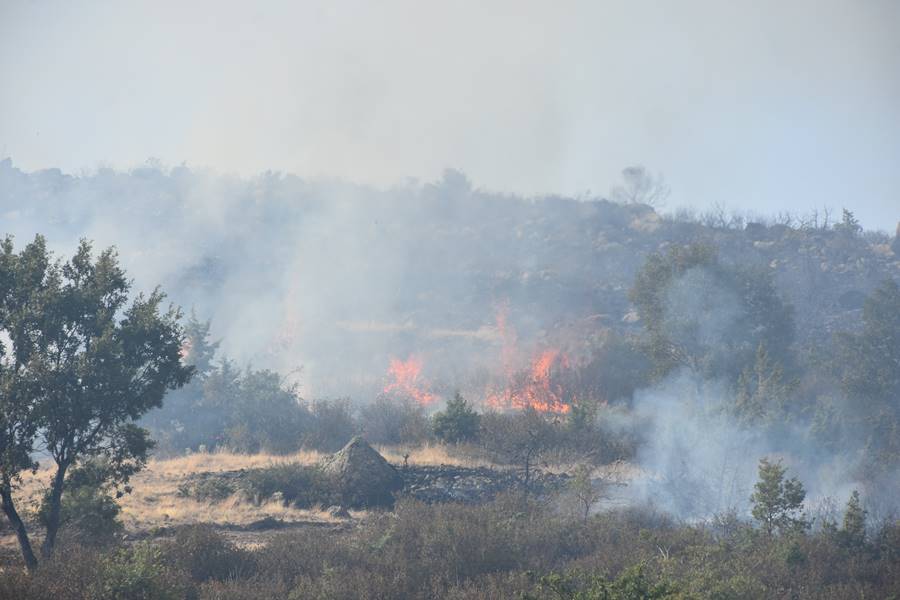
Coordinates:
[697,460]
[323,275]
[340,280]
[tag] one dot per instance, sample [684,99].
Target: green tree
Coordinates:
[853,529]
[778,502]
[81,365]
[458,422]
[763,392]
[869,364]
[198,350]
[707,316]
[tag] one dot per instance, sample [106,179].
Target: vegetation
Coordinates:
[505,549]
[78,368]
[458,422]
[84,366]
[778,502]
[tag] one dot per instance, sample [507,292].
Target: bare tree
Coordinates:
[641,187]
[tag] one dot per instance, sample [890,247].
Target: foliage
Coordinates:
[701,314]
[853,528]
[849,224]
[301,485]
[88,512]
[394,421]
[521,439]
[763,392]
[509,548]
[458,422]
[778,502]
[633,584]
[204,554]
[333,427]
[583,489]
[83,366]
[869,363]
[138,573]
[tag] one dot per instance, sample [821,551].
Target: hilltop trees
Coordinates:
[78,366]
[640,187]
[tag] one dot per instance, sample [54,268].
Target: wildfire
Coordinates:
[535,388]
[406,380]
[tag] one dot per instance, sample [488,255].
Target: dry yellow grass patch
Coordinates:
[221,460]
[155,500]
[433,455]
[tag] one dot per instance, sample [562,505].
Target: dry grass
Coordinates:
[155,501]
[433,455]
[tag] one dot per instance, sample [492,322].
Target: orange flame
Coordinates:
[406,381]
[535,387]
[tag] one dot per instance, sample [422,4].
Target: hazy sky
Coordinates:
[758,105]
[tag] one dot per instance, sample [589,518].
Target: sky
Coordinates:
[760,106]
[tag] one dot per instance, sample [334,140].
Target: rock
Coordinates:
[361,476]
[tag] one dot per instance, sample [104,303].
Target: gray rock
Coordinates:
[361,476]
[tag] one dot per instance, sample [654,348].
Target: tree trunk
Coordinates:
[53,514]
[21,533]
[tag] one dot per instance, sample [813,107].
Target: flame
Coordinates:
[406,381]
[535,388]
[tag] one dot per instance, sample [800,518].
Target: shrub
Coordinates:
[333,427]
[388,421]
[138,573]
[205,554]
[88,514]
[301,485]
[458,422]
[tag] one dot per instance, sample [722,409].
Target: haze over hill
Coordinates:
[435,332]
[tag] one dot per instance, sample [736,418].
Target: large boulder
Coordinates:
[361,475]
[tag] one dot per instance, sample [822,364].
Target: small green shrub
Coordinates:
[458,422]
[138,573]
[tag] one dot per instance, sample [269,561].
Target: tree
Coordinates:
[198,351]
[853,529]
[763,392]
[869,364]
[520,439]
[458,422]
[640,187]
[585,493]
[81,365]
[707,316]
[849,225]
[778,503]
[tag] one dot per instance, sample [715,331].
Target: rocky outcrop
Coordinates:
[361,476]
[473,485]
